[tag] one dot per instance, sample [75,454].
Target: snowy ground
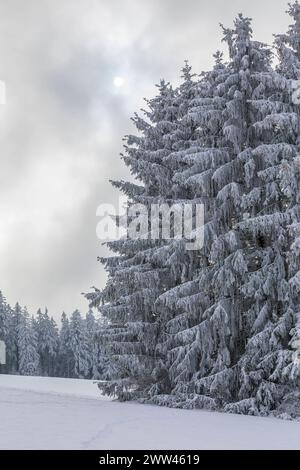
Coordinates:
[46,413]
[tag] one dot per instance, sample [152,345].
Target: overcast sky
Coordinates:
[62,126]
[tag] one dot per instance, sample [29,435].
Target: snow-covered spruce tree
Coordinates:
[47,335]
[4,325]
[193,166]
[27,346]
[240,352]
[224,336]
[94,352]
[191,134]
[3,317]
[141,271]
[269,373]
[223,333]
[188,140]
[79,345]
[65,358]
[9,324]
[266,372]
[13,358]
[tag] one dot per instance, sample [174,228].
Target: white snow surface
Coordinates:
[47,413]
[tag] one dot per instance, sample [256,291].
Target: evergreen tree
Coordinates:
[271,212]
[13,360]
[214,329]
[79,345]
[65,362]
[27,346]
[47,335]
[3,318]
[91,326]
[4,327]
[269,374]
[239,356]
[138,273]
[195,164]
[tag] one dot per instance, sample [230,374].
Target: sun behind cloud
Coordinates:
[118,81]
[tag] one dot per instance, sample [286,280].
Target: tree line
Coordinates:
[35,345]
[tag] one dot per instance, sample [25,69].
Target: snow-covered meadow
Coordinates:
[47,413]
